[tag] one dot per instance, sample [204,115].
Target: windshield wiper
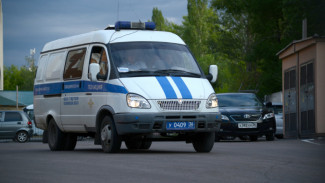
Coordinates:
[140,73]
[175,72]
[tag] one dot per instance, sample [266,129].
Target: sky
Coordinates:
[29,24]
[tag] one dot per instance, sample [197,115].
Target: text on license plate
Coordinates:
[247,125]
[180,125]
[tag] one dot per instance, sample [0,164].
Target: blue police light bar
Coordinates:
[134,25]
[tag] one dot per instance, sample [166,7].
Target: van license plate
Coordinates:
[180,125]
[247,125]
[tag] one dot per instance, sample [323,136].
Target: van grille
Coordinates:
[175,105]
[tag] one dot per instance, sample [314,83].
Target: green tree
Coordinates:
[22,77]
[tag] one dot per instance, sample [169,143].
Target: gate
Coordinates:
[307,99]
[290,104]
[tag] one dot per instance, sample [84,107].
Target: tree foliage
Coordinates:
[22,77]
[243,36]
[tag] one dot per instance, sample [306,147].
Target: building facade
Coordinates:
[303,87]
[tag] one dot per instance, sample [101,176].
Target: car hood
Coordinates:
[166,87]
[240,110]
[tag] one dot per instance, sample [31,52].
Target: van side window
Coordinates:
[13,116]
[54,66]
[41,67]
[98,55]
[74,64]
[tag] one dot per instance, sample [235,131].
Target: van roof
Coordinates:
[112,36]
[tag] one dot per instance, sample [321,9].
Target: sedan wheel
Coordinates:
[22,137]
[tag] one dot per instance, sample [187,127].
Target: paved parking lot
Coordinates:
[230,161]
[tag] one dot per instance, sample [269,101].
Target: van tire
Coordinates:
[55,137]
[110,140]
[203,142]
[22,136]
[146,144]
[45,138]
[133,144]
[70,142]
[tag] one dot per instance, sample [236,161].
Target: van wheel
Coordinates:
[55,137]
[133,144]
[146,144]
[22,136]
[70,142]
[110,140]
[203,142]
[45,138]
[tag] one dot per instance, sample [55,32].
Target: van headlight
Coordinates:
[212,101]
[268,115]
[137,101]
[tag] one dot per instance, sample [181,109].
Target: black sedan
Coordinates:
[244,116]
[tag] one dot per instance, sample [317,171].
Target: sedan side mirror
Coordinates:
[268,104]
[213,73]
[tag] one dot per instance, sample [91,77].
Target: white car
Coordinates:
[278,112]
[29,110]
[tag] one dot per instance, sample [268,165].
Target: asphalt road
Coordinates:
[262,161]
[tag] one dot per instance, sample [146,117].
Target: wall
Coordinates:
[320,88]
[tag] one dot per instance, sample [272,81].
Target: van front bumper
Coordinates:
[145,123]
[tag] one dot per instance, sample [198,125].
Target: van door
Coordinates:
[72,91]
[96,97]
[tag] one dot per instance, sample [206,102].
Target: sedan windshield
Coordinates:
[238,100]
[153,59]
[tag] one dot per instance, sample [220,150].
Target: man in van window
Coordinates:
[133,61]
[103,64]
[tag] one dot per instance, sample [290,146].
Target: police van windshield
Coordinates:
[153,59]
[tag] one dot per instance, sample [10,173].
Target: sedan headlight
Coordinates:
[137,101]
[268,115]
[223,117]
[212,101]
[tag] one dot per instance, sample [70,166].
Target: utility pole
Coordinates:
[1,47]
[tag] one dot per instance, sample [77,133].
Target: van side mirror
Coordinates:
[93,70]
[213,73]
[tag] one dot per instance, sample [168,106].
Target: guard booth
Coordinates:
[303,87]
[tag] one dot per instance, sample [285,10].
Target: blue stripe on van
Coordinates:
[186,94]
[77,86]
[167,87]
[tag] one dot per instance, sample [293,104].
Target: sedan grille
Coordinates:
[246,117]
[175,105]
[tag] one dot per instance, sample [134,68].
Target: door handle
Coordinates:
[88,93]
[19,123]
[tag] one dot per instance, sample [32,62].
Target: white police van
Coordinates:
[125,83]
